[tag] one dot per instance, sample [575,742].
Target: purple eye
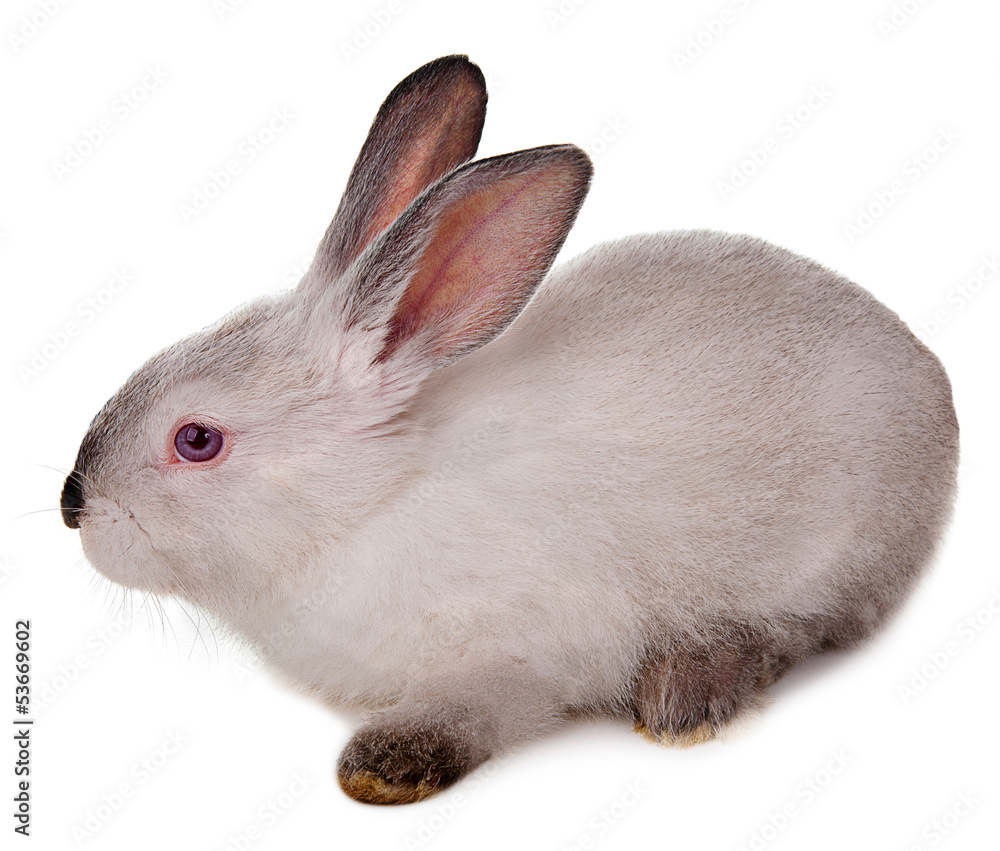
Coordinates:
[196,442]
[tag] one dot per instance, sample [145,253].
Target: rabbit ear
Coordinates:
[429,124]
[460,264]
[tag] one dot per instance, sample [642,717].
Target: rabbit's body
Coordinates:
[691,461]
[680,428]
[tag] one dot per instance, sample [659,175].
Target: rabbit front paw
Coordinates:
[400,764]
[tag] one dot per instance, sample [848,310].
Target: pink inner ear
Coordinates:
[488,251]
[437,147]
[407,185]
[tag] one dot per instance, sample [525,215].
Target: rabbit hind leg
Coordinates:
[690,687]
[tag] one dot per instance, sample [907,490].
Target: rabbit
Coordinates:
[442,485]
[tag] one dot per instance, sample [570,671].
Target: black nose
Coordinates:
[71,502]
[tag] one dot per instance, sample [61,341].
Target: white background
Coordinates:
[111,688]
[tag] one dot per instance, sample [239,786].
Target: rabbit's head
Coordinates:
[233,460]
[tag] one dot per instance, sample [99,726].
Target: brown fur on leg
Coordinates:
[688,689]
[400,765]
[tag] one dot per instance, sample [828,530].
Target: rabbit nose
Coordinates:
[71,502]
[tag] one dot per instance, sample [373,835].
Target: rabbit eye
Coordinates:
[194,442]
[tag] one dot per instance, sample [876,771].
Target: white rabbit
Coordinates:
[693,460]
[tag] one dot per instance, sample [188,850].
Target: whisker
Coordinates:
[179,603]
[197,632]
[62,472]
[122,605]
[165,622]
[58,470]
[151,603]
[149,611]
[211,630]
[188,595]
[37,511]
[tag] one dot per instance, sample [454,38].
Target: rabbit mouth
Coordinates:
[119,548]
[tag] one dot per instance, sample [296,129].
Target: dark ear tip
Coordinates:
[576,166]
[574,158]
[579,159]
[443,70]
[456,63]
[441,78]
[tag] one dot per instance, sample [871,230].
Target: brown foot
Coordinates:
[394,765]
[688,690]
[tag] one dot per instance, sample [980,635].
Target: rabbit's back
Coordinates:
[718,423]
